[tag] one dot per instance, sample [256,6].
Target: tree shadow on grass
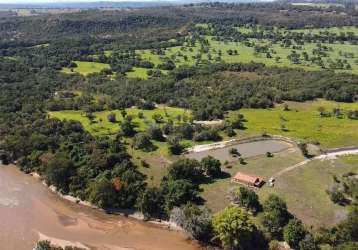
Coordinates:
[210,180]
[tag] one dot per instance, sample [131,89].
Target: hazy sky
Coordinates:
[58,1]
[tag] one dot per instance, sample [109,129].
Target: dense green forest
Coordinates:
[39,56]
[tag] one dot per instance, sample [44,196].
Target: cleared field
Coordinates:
[85,68]
[141,73]
[218,51]
[334,30]
[315,208]
[216,194]
[303,121]
[311,182]
[138,73]
[101,126]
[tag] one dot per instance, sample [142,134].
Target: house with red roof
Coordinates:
[249,180]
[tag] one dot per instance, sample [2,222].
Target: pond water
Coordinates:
[28,211]
[249,149]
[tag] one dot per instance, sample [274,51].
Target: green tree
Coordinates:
[155,132]
[178,192]
[127,127]
[112,117]
[188,169]
[211,166]
[234,152]
[294,232]
[347,230]
[142,141]
[230,131]
[158,118]
[58,172]
[238,122]
[234,228]
[101,192]
[246,198]
[275,215]
[123,113]
[151,203]
[174,145]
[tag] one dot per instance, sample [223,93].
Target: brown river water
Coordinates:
[30,211]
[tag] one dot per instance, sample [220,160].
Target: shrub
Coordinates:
[294,232]
[112,117]
[142,141]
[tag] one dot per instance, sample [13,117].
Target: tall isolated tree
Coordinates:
[211,166]
[233,227]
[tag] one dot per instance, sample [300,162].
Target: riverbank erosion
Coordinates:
[29,211]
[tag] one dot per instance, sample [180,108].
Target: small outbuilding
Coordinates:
[249,180]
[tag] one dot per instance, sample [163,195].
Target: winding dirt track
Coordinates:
[325,156]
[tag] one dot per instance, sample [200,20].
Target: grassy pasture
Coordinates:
[335,30]
[138,73]
[216,194]
[101,125]
[304,122]
[141,73]
[186,54]
[315,209]
[85,68]
[246,54]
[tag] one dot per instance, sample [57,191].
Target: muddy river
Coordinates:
[29,211]
[246,150]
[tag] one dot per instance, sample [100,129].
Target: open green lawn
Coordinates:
[187,54]
[304,122]
[335,30]
[138,73]
[101,126]
[86,68]
[141,73]
[309,181]
[216,194]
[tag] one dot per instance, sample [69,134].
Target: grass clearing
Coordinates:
[138,73]
[311,182]
[158,159]
[186,55]
[216,193]
[304,122]
[301,188]
[101,126]
[85,68]
[141,73]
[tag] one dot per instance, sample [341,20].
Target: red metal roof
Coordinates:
[247,178]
